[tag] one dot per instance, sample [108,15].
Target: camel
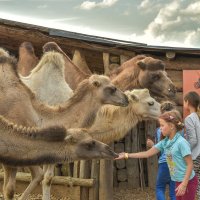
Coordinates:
[47,79]
[139,72]
[112,123]
[24,146]
[73,74]
[27,59]
[19,104]
[144,72]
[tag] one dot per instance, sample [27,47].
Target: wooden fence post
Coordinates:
[152,163]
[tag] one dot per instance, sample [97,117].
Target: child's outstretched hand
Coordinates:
[121,156]
[180,190]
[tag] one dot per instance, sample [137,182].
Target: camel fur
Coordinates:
[73,74]
[47,80]
[24,146]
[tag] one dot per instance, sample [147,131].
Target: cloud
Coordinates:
[176,23]
[88,5]
[147,6]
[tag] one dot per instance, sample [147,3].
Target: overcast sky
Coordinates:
[155,22]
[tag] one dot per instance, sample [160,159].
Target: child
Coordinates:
[163,175]
[178,155]
[192,128]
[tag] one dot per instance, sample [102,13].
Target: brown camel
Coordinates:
[112,122]
[144,72]
[27,59]
[18,103]
[73,74]
[24,146]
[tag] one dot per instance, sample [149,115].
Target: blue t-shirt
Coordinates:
[175,150]
[162,157]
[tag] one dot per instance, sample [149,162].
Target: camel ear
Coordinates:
[96,83]
[141,64]
[134,97]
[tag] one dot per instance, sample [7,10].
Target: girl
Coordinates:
[178,155]
[163,175]
[192,128]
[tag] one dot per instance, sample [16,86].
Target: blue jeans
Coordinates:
[163,179]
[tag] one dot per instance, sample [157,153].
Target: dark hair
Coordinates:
[194,100]
[173,117]
[167,106]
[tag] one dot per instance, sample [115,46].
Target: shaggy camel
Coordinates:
[27,59]
[18,103]
[47,79]
[144,72]
[112,122]
[24,146]
[73,74]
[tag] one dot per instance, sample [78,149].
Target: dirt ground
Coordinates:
[122,194]
[119,194]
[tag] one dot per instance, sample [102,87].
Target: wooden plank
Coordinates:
[152,163]
[106,63]
[132,164]
[14,36]
[94,191]
[85,171]
[57,180]
[106,180]
[80,61]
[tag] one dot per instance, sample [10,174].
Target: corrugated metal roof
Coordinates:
[101,40]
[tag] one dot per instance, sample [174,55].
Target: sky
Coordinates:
[154,22]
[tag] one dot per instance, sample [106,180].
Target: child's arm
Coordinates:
[182,187]
[144,154]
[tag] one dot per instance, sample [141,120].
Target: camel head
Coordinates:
[105,92]
[142,104]
[152,75]
[84,147]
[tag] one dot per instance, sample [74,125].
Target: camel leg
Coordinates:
[9,183]
[46,183]
[37,176]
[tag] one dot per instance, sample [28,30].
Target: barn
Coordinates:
[102,55]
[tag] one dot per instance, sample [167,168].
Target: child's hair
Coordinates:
[194,100]
[173,117]
[167,106]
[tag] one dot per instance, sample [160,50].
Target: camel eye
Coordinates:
[91,145]
[151,103]
[155,77]
[113,90]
